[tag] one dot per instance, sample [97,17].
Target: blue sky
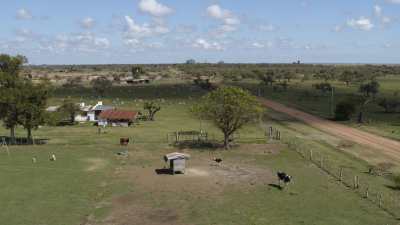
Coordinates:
[171,31]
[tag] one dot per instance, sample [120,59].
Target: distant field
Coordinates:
[303,96]
[89,184]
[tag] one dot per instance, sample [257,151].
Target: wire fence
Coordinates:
[353,180]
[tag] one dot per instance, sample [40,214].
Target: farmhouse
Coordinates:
[117,118]
[93,113]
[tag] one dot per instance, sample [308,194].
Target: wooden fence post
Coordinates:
[311,155]
[321,163]
[341,174]
[355,182]
[367,192]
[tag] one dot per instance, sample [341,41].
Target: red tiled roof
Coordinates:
[118,115]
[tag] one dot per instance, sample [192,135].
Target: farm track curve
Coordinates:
[386,146]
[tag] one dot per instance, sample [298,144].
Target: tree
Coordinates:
[344,110]
[288,75]
[371,88]
[152,108]
[347,77]
[268,78]
[137,71]
[32,105]
[10,91]
[100,85]
[70,108]
[229,108]
[389,104]
[323,87]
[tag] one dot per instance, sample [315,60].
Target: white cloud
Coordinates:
[268,28]
[24,14]
[136,30]
[393,1]
[228,19]
[204,44]
[386,20]
[361,23]
[83,42]
[338,28]
[87,23]
[258,45]
[154,8]
[378,11]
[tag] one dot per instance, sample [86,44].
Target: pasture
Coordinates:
[302,95]
[90,184]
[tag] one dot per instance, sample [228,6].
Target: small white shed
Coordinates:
[177,162]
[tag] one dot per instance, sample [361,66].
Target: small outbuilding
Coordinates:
[117,118]
[177,162]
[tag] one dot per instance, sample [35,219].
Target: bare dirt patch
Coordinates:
[95,164]
[261,149]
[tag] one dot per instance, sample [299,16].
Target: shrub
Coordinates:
[344,110]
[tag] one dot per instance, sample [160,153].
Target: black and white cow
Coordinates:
[282,176]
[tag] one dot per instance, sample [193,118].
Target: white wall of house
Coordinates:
[91,116]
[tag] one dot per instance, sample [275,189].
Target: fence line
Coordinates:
[388,202]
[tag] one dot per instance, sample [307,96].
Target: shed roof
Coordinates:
[176,155]
[118,115]
[102,107]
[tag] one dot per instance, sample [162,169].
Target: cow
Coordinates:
[124,141]
[282,176]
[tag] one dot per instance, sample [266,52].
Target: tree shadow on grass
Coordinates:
[200,145]
[394,188]
[23,141]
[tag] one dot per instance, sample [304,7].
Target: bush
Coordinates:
[396,181]
[344,110]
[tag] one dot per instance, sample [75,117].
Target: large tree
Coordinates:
[32,105]
[10,91]
[70,109]
[152,108]
[229,108]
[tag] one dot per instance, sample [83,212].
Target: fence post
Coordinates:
[380,200]
[321,163]
[355,182]
[311,155]
[367,192]
[341,174]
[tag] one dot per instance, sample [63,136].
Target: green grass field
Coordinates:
[90,184]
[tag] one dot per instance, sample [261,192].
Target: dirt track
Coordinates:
[386,146]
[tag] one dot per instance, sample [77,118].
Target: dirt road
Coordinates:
[386,146]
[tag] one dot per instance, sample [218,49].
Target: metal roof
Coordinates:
[118,115]
[176,155]
[102,107]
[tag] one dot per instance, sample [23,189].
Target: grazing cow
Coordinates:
[53,157]
[124,141]
[282,176]
[218,160]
